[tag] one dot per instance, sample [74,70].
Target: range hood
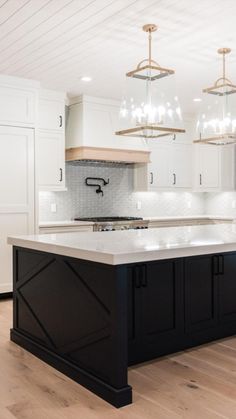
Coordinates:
[90,134]
[113,155]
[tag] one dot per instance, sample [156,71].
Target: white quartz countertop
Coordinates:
[119,247]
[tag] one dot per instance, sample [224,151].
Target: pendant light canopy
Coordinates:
[149,108]
[217,122]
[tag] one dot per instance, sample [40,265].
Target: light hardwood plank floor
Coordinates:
[195,384]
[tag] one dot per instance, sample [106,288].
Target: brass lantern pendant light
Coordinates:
[217,122]
[148,111]
[155,71]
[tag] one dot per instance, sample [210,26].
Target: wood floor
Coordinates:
[195,384]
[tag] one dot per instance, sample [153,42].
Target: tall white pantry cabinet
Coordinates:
[21,130]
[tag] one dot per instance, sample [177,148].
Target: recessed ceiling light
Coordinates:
[197,99]
[86,78]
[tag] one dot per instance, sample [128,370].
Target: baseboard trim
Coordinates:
[116,397]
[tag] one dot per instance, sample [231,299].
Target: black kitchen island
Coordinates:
[91,304]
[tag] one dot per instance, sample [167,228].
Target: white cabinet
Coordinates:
[50,158]
[18,101]
[170,168]
[51,114]
[214,167]
[16,193]
[180,166]
[158,169]
[50,141]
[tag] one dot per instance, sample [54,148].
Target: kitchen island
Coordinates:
[91,304]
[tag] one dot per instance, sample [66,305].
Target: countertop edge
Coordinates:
[122,258]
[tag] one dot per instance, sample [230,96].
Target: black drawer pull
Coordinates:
[221,265]
[137,277]
[215,265]
[144,275]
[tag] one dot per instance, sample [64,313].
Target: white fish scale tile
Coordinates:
[119,198]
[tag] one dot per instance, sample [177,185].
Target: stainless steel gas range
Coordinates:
[115,223]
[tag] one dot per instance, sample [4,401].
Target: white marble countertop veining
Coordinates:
[119,247]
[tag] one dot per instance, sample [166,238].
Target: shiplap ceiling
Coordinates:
[58,41]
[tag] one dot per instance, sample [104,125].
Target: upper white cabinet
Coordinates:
[214,168]
[18,101]
[92,122]
[156,173]
[51,112]
[50,153]
[170,168]
[50,141]
[180,167]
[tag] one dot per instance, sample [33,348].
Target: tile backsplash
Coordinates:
[119,198]
[223,203]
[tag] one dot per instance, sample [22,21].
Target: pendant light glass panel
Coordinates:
[217,121]
[150,109]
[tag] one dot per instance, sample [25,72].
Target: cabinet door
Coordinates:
[200,293]
[51,114]
[207,167]
[16,193]
[227,288]
[181,166]
[17,106]
[156,321]
[158,169]
[50,154]
[161,302]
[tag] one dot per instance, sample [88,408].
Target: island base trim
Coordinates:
[116,397]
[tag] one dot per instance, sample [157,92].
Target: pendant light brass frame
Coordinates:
[149,63]
[224,139]
[222,82]
[150,130]
[222,87]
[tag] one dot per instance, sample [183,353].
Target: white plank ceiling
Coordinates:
[58,41]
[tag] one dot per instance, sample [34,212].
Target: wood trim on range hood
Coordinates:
[107,154]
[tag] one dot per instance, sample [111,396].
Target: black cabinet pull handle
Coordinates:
[60,121]
[144,275]
[200,179]
[61,174]
[140,276]
[221,265]
[137,277]
[174,181]
[151,181]
[215,265]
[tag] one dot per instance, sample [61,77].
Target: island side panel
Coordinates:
[73,314]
